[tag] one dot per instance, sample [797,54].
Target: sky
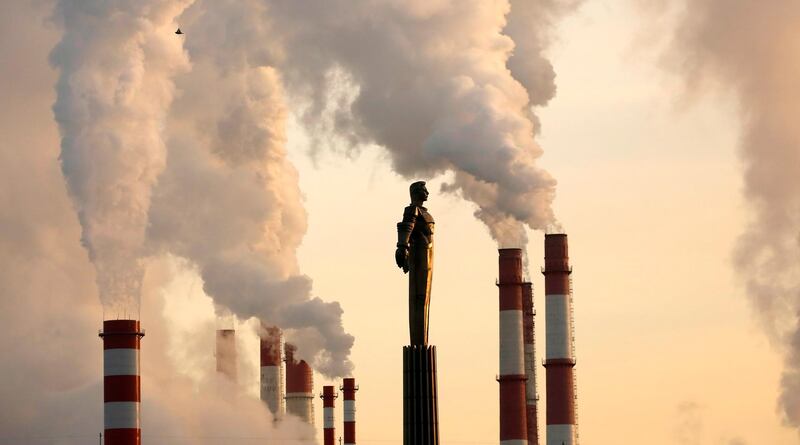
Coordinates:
[650,189]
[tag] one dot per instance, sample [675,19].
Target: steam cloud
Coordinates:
[431,84]
[229,199]
[752,49]
[49,309]
[116,61]
[154,136]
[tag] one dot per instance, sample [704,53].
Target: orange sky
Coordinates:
[649,193]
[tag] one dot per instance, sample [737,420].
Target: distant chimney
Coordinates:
[226,353]
[560,355]
[513,425]
[349,389]
[329,417]
[529,338]
[271,370]
[299,387]
[122,389]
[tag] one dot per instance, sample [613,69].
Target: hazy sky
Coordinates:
[649,191]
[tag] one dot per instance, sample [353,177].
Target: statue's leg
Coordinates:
[418,295]
[426,297]
[413,313]
[417,320]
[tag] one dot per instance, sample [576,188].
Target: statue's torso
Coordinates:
[422,234]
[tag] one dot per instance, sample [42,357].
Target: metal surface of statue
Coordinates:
[414,255]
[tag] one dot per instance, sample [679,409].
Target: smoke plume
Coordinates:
[49,308]
[752,49]
[116,61]
[229,199]
[430,82]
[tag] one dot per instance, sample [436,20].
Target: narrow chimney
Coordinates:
[513,425]
[329,417]
[122,389]
[271,370]
[560,357]
[529,338]
[299,387]
[226,353]
[349,389]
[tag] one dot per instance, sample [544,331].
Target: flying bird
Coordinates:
[179,32]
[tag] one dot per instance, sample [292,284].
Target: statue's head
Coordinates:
[418,192]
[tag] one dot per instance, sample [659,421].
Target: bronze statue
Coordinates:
[414,255]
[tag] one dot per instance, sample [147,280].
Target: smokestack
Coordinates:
[560,358]
[529,338]
[121,386]
[329,417]
[226,353]
[349,388]
[299,387]
[271,370]
[513,428]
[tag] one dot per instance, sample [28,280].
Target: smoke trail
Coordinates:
[49,310]
[530,25]
[431,84]
[116,61]
[752,48]
[229,199]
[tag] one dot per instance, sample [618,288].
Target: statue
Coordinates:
[414,255]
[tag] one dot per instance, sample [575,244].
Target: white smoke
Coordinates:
[752,49]
[229,199]
[431,83]
[116,61]
[49,309]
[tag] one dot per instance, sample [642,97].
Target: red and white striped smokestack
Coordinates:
[529,338]
[513,424]
[226,353]
[328,415]
[271,370]
[299,387]
[121,385]
[560,357]
[349,389]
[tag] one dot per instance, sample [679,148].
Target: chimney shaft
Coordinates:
[560,357]
[299,387]
[226,353]
[513,425]
[349,389]
[271,370]
[122,389]
[529,338]
[329,415]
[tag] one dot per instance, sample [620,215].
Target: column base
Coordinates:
[420,399]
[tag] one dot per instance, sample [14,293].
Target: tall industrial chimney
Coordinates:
[299,387]
[513,425]
[121,385]
[226,353]
[271,370]
[529,338]
[328,415]
[349,389]
[560,357]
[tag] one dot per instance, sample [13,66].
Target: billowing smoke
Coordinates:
[229,200]
[752,49]
[429,81]
[49,309]
[116,62]
[530,25]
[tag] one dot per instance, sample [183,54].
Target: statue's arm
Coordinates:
[404,229]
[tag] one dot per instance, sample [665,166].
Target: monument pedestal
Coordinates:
[420,400]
